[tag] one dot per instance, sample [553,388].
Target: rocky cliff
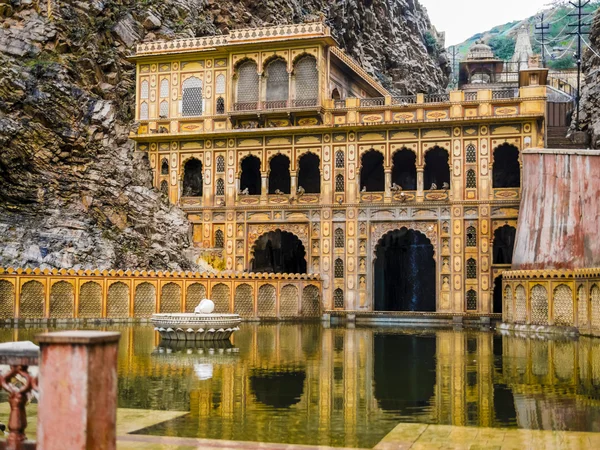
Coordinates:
[73,191]
[590,100]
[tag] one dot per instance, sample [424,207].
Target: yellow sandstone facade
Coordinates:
[288,157]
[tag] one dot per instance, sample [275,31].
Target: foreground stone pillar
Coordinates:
[78,390]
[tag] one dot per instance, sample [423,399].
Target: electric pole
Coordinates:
[540,30]
[579,25]
[454,54]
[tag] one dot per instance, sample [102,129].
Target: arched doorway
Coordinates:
[278,252]
[504,243]
[192,178]
[405,272]
[372,174]
[498,294]
[309,174]
[250,178]
[506,169]
[437,168]
[404,169]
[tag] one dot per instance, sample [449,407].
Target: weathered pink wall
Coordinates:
[559,221]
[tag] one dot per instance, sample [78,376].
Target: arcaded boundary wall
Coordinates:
[559,219]
[555,281]
[118,295]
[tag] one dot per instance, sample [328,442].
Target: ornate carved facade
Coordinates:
[277,129]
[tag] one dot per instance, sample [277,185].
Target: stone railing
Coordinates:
[121,295]
[279,32]
[552,301]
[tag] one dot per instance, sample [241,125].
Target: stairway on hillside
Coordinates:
[557,138]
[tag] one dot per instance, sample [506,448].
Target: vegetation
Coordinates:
[503,46]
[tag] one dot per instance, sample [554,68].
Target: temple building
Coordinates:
[288,157]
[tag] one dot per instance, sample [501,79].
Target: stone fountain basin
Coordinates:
[196,327]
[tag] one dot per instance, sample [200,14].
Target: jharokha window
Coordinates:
[306,81]
[191,97]
[247,83]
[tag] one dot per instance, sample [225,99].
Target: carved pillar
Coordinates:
[388,184]
[264,186]
[420,181]
[293,184]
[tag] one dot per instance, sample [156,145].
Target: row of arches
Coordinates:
[278,85]
[436,173]
[62,300]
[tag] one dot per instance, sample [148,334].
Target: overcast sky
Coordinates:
[461,19]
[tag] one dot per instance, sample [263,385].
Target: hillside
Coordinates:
[560,45]
[73,191]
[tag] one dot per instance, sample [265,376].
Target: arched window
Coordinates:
[471,237]
[279,175]
[338,299]
[164,88]
[278,84]
[164,167]
[220,186]
[404,170]
[192,178]
[339,159]
[220,164]
[144,90]
[335,94]
[437,168]
[164,109]
[220,105]
[506,169]
[471,154]
[471,179]
[144,111]
[220,84]
[309,175]
[164,187]
[247,83]
[339,183]
[219,239]
[471,268]
[504,243]
[339,268]
[250,178]
[191,97]
[339,238]
[306,78]
[471,300]
[372,175]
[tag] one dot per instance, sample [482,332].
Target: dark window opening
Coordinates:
[192,178]
[164,167]
[338,271]
[220,164]
[335,94]
[437,169]
[339,159]
[220,187]
[338,299]
[471,237]
[220,105]
[471,154]
[471,269]
[339,183]
[372,174]
[279,252]
[506,169]
[309,175]
[504,243]
[250,178]
[279,175]
[471,179]
[498,294]
[219,239]
[404,170]
[339,238]
[471,300]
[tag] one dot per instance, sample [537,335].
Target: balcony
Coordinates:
[276,105]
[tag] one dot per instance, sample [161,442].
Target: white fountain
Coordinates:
[201,325]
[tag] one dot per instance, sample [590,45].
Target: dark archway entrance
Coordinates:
[250,178]
[372,174]
[279,252]
[506,169]
[405,272]
[192,178]
[504,244]
[279,175]
[498,294]
[437,168]
[404,171]
[309,175]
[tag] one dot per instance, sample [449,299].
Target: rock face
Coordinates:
[590,95]
[74,193]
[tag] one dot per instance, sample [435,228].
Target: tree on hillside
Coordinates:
[503,46]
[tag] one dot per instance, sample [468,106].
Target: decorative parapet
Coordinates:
[279,32]
[548,301]
[121,295]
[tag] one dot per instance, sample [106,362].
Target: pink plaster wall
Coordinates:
[559,220]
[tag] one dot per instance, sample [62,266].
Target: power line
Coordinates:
[579,25]
[590,47]
[541,31]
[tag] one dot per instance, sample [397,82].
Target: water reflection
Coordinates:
[350,387]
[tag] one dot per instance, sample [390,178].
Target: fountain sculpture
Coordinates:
[201,325]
